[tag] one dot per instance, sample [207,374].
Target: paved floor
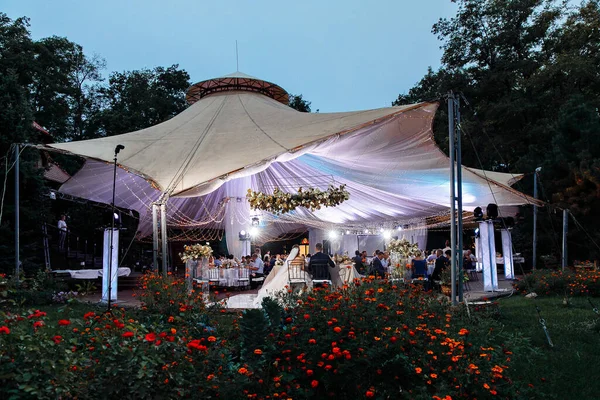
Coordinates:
[243,299]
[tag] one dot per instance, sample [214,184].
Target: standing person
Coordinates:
[378,268]
[62,232]
[358,262]
[318,260]
[445,249]
[441,263]
[267,256]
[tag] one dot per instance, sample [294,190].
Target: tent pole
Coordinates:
[535,217]
[451,132]
[163,231]
[564,238]
[459,211]
[155,236]
[17,216]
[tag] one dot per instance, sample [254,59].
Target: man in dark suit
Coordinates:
[358,264]
[319,260]
[378,268]
[441,263]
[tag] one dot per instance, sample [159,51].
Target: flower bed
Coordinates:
[557,282]
[369,339]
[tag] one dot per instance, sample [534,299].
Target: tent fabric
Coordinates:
[207,157]
[219,135]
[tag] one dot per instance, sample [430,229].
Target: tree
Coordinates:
[298,103]
[529,70]
[135,100]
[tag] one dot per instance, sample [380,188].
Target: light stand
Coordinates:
[112,228]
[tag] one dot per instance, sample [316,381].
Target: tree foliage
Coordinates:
[529,70]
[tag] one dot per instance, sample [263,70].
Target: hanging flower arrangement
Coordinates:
[195,252]
[403,248]
[312,199]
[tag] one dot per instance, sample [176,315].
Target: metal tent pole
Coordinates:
[459,210]
[451,132]
[17,216]
[564,238]
[535,217]
[163,231]
[155,236]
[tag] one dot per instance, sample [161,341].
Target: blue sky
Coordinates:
[341,55]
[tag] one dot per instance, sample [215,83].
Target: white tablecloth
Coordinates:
[90,273]
[516,260]
[229,277]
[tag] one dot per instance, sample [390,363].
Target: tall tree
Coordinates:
[298,103]
[529,70]
[134,100]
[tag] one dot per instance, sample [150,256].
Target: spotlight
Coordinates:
[492,211]
[399,228]
[332,234]
[387,235]
[366,231]
[244,235]
[253,231]
[477,232]
[381,230]
[347,232]
[478,214]
[116,216]
[255,222]
[52,196]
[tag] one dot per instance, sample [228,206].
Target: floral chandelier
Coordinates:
[312,199]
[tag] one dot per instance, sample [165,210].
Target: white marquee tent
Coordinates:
[239,133]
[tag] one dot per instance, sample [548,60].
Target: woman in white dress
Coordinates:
[278,279]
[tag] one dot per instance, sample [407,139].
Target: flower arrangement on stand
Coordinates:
[281,202]
[401,251]
[195,252]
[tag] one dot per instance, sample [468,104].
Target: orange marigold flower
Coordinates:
[434,376]
[418,370]
[212,339]
[243,371]
[337,329]
[312,341]
[258,352]
[486,386]
[210,377]
[463,332]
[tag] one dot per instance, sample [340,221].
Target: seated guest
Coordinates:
[257,267]
[468,263]
[418,256]
[432,256]
[218,261]
[318,260]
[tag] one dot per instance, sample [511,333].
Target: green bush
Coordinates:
[369,339]
[562,283]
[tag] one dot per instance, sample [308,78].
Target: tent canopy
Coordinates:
[238,134]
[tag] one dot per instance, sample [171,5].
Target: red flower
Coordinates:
[243,371]
[88,315]
[337,329]
[57,339]
[37,324]
[64,322]
[314,383]
[312,341]
[463,332]
[4,329]
[393,339]
[150,337]
[212,339]
[306,316]
[258,352]
[195,344]
[309,372]
[370,393]
[127,334]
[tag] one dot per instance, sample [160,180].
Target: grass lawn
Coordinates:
[570,369]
